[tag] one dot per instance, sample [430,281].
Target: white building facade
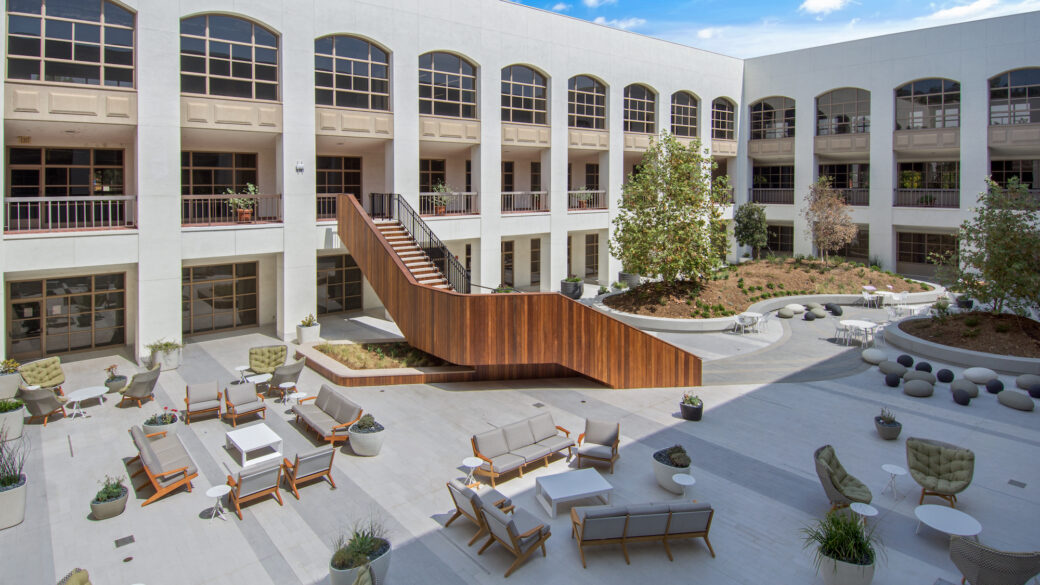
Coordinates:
[510,129]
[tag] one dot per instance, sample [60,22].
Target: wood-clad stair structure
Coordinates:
[501,336]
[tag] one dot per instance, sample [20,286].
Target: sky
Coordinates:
[751,28]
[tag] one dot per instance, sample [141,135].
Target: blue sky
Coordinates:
[749,28]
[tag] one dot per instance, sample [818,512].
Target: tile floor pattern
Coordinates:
[752,457]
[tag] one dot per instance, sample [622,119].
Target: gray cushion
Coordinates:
[890,367]
[258,478]
[603,526]
[504,462]
[347,410]
[204,405]
[247,407]
[605,511]
[979,375]
[594,450]
[523,521]
[968,386]
[600,432]
[1016,400]
[918,388]
[241,394]
[518,435]
[202,393]
[1027,381]
[325,393]
[873,356]
[531,452]
[556,443]
[689,517]
[542,426]
[318,420]
[647,519]
[486,497]
[785,313]
[919,375]
[492,443]
[812,306]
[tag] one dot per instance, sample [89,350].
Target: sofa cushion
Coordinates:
[919,375]
[542,426]
[346,410]
[523,521]
[556,443]
[325,394]
[647,520]
[492,443]
[202,393]
[1016,400]
[594,450]
[1027,381]
[979,375]
[918,388]
[689,517]
[531,452]
[503,463]
[518,435]
[247,407]
[606,511]
[890,367]
[241,394]
[203,405]
[967,386]
[600,432]
[318,420]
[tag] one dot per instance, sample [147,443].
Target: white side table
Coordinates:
[218,492]
[864,511]
[242,373]
[893,471]
[285,387]
[471,463]
[82,395]
[684,480]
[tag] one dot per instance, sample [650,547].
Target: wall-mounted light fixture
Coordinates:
[299,167]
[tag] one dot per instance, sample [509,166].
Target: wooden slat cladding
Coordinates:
[503,330]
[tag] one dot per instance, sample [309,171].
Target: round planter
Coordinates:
[887,432]
[115,383]
[842,573]
[572,290]
[12,423]
[9,384]
[110,509]
[308,334]
[167,360]
[632,280]
[170,429]
[12,505]
[663,473]
[380,566]
[690,412]
[365,444]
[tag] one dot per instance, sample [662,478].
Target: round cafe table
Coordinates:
[684,480]
[471,463]
[946,519]
[83,394]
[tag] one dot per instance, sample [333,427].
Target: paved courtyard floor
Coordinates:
[752,460]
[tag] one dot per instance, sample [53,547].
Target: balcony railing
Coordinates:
[449,203]
[34,214]
[856,196]
[728,196]
[525,201]
[586,200]
[772,196]
[326,208]
[948,198]
[203,210]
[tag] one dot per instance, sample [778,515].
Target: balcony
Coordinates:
[771,196]
[578,200]
[49,214]
[214,210]
[856,196]
[525,202]
[945,198]
[466,203]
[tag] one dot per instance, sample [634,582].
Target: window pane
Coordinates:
[72,73]
[23,25]
[118,15]
[231,87]
[77,9]
[119,36]
[23,46]
[230,28]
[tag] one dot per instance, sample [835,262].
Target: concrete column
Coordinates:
[882,175]
[554,160]
[804,170]
[974,143]
[612,166]
[403,158]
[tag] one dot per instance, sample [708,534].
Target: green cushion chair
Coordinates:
[842,489]
[265,359]
[941,469]
[45,373]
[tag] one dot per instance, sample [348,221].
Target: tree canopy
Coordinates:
[750,227]
[830,224]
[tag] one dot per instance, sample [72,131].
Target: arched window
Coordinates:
[928,103]
[684,114]
[586,103]
[772,117]
[523,95]
[1014,97]
[640,109]
[843,111]
[723,119]
[447,86]
[228,56]
[86,41]
[351,73]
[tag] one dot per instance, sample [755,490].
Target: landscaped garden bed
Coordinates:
[1003,334]
[733,290]
[374,356]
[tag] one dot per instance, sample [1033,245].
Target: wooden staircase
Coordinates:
[412,256]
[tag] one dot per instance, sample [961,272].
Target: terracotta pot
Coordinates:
[440,209]
[244,214]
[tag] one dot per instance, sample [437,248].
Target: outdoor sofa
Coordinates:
[516,445]
[329,414]
[662,522]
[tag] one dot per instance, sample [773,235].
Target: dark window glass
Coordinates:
[440,78]
[242,58]
[723,119]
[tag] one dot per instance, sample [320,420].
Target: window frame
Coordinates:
[927,243]
[912,115]
[592,252]
[208,59]
[687,125]
[828,114]
[428,174]
[773,117]
[438,81]
[640,111]
[536,261]
[514,104]
[781,235]
[347,269]
[92,168]
[235,296]
[592,105]
[235,168]
[1031,98]
[371,64]
[723,121]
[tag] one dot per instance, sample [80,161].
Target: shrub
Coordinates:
[1002,327]
[9,405]
[841,537]
[677,456]
[971,321]
[603,290]
[366,541]
[112,488]
[970,333]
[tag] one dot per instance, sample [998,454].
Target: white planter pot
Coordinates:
[12,506]
[308,334]
[841,573]
[9,384]
[12,423]
[366,444]
[171,429]
[380,566]
[664,474]
[167,360]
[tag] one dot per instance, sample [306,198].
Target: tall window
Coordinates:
[928,103]
[339,174]
[507,262]
[592,255]
[640,109]
[536,260]
[536,176]
[723,119]
[228,56]
[859,248]
[222,296]
[339,284]
[684,114]
[772,117]
[930,175]
[524,95]
[780,238]
[469,176]
[508,176]
[64,314]
[213,173]
[592,177]
[447,86]
[1026,170]
[847,176]
[772,177]
[586,103]
[1014,97]
[351,73]
[843,111]
[431,174]
[82,41]
[918,248]
[64,172]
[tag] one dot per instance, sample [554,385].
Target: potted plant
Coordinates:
[844,549]
[910,179]
[243,206]
[10,380]
[668,462]
[691,406]
[110,500]
[367,545]
[12,481]
[440,198]
[12,418]
[965,302]
[572,287]
[887,426]
[630,279]
[114,381]
[308,331]
[366,436]
[161,421]
[165,353]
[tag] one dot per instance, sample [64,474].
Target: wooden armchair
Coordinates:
[312,465]
[599,442]
[41,402]
[141,387]
[468,503]
[201,398]
[254,483]
[164,460]
[520,533]
[243,400]
[287,373]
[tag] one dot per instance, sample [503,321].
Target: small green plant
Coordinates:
[887,417]
[770,285]
[677,456]
[941,310]
[367,541]
[619,285]
[691,399]
[10,405]
[367,424]
[242,202]
[970,333]
[112,371]
[163,346]
[572,278]
[167,417]
[780,285]
[441,193]
[1002,327]
[971,321]
[603,290]
[112,488]
[13,456]
[843,538]
[309,321]
[9,367]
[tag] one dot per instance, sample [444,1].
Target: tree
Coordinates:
[998,261]
[670,220]
[749,226]
[827,212]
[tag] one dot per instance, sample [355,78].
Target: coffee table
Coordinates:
[258,437]
[83,394]
[553,490]
[948,520]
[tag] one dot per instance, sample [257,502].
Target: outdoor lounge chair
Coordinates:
[599,442]
[284,374]
[941,469]
[45,373]
[164,460]
[520,533]
[265,359]
[243,400]
[254,483]
[201,398]
[141,387]
[311,465]
[468,503]
[841,488]
[41,402]
[982,565]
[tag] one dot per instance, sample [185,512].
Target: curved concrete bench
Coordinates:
[896,337]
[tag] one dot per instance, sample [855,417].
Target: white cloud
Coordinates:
[964,11]
[561,7]
[709,33]
[622,23]
[823,6]
[597,3]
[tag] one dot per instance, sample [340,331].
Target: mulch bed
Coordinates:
[1001,334]
[376,356]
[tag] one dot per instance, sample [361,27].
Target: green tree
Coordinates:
[670,220]
[998,261]
[827,212]
[749,226]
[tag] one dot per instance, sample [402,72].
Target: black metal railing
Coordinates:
[393,206]
[770,196]
[948,198]
[856,196]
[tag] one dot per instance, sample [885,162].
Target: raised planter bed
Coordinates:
[896,337]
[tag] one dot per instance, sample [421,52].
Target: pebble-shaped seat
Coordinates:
[809,317]
[1027,381]
[919,375]
[966,386]
[796,308]
[994,386]
[1016,400]
[1034,390]
[945,376]
[906,360]
[918,388]
[979,375]
[812,306]
[923,366]
[785,313]
[873,356]
[890,367]
[835,309]
[818,312]
[961,397]
[892,380]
